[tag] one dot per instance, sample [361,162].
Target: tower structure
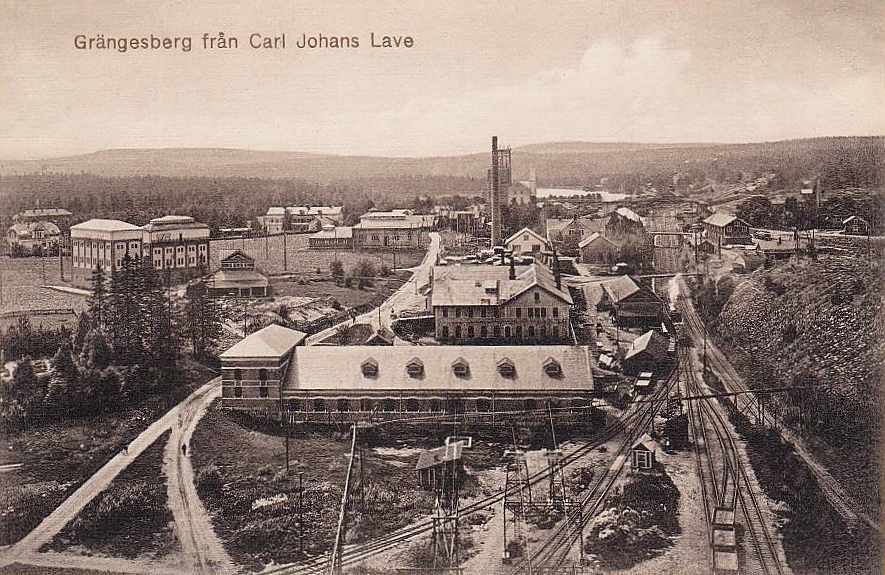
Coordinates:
[495,194]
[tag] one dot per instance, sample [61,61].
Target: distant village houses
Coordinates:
[299,219]
[38,231]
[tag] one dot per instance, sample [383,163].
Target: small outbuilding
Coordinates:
[642,456]
[646,353]
[237,277]
[856,226]
[437,465]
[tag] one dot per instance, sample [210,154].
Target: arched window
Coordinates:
[519,332]
[343,405]
[457,332]
[470,331]
[483,405]
[412,405]
[389,404]
[507,331]
[531,331]
[366,404]
[319,404]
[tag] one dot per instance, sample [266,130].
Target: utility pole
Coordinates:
[301,513]
[285,253]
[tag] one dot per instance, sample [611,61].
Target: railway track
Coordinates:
[732,381]
[554,551]
[353,554]
[731,484]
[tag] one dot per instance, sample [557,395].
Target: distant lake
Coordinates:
[566,192]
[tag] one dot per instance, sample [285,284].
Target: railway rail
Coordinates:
[353,554]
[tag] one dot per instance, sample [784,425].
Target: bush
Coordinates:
[209,479]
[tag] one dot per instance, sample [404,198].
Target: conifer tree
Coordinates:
[98,301]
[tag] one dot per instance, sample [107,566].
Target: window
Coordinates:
[555,311]
[482,312]
[262,374]
[529,404]
[543,331]
[495,312]
[238,374]
[556,331]
[552,368]
[369,368]
[483,405]
[506,368]
[343,405]
[470,312]
[445,312]
[435,405]
[531,313]
[389,405]
[531,331]
[238,391]
[519,332]
[537,297]
[470,332]
[518,312]
[507,332]
[457,312]
[496,330]
[415,368]
[461,368]
[412,405]
[457,332]
[295,404]
[319,404]
[483,332]
[262,391]
[445,331]
[366,404]
[544,312]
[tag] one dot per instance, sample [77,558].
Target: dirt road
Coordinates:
[71,507]
[202,552]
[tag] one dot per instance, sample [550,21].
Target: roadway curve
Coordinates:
[844,504]
[101,479]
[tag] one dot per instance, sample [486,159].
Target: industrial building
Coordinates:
[398,229]
[515,304]
[631,303]
[271,368]
[177,246]
[724,229]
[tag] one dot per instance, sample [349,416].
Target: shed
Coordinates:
[647,352]
[641,455]
[431,467]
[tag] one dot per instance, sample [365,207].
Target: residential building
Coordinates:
[299,219]
[527,242]
[522,194]
[57,216]
[515,304]
[396,229]
[177,246]
[104,243]
[571,231]
[237,277]
[28,237]
[631,303]
[332,238]
[624,221]
[598,249]
[271,368]
[724,229]
[856,226]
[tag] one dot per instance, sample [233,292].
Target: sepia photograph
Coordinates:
[409,287]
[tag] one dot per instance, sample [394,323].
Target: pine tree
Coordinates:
[203,319]
[98,301]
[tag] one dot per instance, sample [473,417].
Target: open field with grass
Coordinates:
[59,456]
[130,518]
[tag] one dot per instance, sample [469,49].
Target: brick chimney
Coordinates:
[556,275]
[512,268]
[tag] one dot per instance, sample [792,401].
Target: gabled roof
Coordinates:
[224,279]
[594,237]
[651,342]
[335,368]
[234,255]
[491,285]
[846,220]
[273,341]
[336,232]
[525,231]
[26,229]
[642,443]
[720,219]
[44,213]
[622,288]
[629,214]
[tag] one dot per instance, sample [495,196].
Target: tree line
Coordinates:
[126,347]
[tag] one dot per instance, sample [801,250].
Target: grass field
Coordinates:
[130,518]
[242,480]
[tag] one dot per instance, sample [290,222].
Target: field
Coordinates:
[130,518]
[57,457]
[268,254]
[20,281]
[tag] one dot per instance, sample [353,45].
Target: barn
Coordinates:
[647,353]
[631,303]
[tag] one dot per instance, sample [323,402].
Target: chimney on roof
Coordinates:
[556,275]
[512,268]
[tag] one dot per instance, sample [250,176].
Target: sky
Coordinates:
[529,71]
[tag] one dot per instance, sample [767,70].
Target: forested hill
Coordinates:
[839,161]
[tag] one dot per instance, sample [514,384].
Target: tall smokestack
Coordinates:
[556,274]
[496,208]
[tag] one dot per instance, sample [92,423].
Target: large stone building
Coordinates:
[271,369]
[495,304]
[400,229]
[177,246]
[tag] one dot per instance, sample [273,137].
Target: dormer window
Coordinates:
[461,368]
[369,368]
[415,368]
[552,368]
[506,368]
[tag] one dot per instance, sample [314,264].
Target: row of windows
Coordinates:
[488,311]
[509,332]
[481,405]
[262,375]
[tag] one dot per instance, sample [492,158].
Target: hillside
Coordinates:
[841,162]
[817,324]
